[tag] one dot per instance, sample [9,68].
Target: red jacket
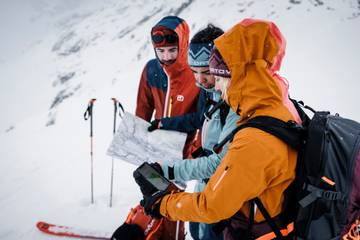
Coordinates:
[170,90]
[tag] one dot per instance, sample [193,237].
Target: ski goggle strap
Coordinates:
[199,54]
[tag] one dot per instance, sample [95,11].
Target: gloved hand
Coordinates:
[155,124]
[146,188]
[151,196]
[151,204]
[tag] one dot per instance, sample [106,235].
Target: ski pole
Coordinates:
[116,104]
[89,114]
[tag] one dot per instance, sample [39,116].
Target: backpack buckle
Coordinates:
[331,195]
[316,193]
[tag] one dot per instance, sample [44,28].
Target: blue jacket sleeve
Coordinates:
[189,122]
[203,167]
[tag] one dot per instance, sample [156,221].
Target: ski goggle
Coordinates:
[159,37]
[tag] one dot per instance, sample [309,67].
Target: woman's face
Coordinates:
[221,85]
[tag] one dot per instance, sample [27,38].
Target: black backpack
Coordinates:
[323,202]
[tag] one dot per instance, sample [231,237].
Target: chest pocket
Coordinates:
[155,75]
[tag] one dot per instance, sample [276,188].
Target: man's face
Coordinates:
[203,77]
[167,55]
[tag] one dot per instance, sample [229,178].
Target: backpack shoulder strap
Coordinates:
[289,132]
[224,111]
[268,218]
[216,106]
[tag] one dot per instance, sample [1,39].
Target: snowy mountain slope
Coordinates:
[68,52]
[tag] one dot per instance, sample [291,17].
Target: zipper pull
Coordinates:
[221,177]
[196,135]
[170,106]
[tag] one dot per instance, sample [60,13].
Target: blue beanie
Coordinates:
[199,54]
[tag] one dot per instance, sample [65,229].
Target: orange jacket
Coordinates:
[170,90]
[257,164]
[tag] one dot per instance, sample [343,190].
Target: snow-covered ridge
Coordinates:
[83,37]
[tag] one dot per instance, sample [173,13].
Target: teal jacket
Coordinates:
[203,167]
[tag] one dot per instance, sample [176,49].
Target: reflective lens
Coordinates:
[158,38]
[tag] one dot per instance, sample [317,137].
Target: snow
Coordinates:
[56,56]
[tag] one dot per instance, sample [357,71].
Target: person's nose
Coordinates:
[217,87]
[197,77]
[201,79]
[167,56]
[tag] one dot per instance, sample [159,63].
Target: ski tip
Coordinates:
[69,232]
[42,225]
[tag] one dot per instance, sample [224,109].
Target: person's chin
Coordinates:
[167,63]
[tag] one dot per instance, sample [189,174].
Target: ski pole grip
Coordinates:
[118,104]
[115,100]
[86,114]
[122,109]
[88,111]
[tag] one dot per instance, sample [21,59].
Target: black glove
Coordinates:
[151,204]
[146,188]
[155,124]
[151,196]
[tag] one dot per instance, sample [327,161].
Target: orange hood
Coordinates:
[253,51]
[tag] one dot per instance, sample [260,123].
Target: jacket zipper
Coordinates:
[167,95]
[203,132]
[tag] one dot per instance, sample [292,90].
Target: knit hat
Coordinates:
[199,54]
[164,37]
[217,65]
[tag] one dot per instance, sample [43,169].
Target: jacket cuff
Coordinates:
[162,209]
[165,167]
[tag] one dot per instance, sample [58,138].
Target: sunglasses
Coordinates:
[159,38]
